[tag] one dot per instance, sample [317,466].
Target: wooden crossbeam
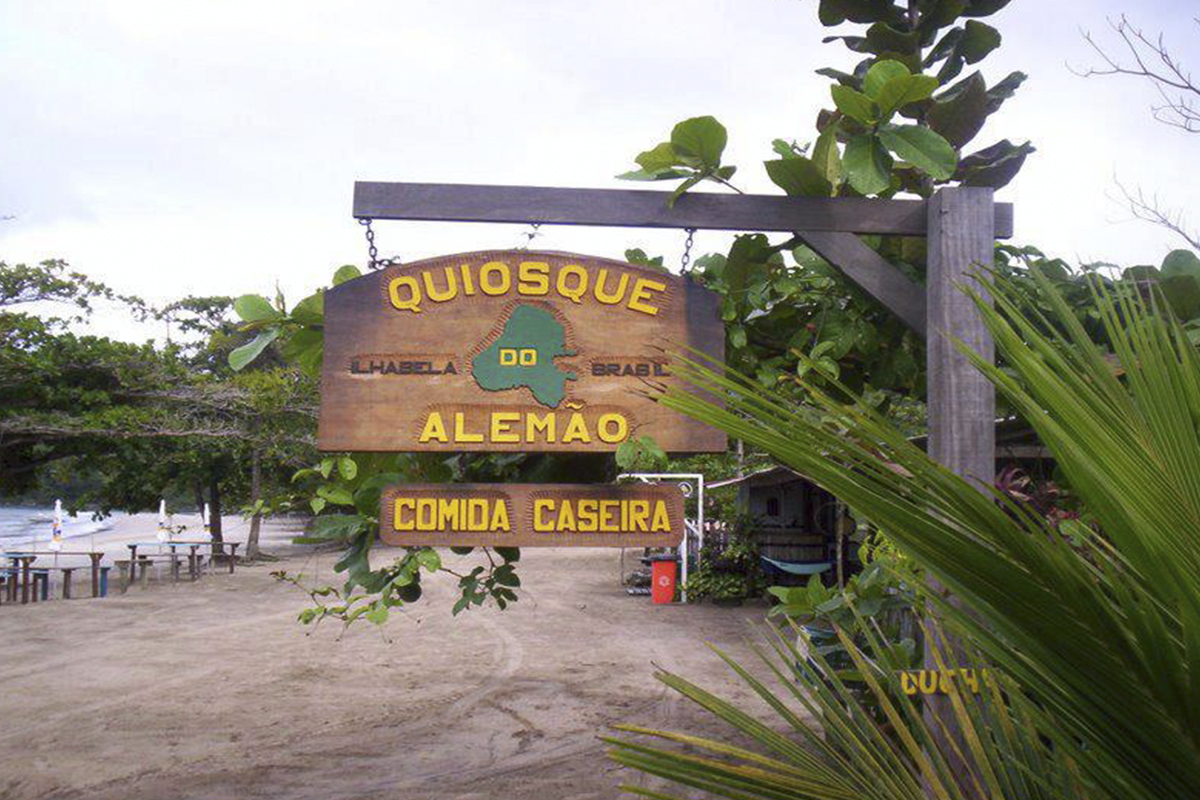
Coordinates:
[632,208]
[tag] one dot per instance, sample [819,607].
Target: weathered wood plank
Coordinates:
[531,515]
[873,273]
[632,208]
[961,401]
[431,355]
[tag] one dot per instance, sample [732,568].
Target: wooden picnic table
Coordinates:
[23,560]
[192,545]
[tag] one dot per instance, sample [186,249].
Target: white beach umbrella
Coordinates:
[163,533]
[56,536]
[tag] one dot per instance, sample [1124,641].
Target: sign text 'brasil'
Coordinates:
[531,515]
[515,350]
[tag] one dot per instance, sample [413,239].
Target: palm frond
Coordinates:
[1099,646]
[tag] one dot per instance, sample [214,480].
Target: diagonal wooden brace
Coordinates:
[872,272]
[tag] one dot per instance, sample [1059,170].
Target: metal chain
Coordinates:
[373,259]
[686,259]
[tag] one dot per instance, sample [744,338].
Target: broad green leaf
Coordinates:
[336,526]
[429,559]
[899,92]
[880,75]
[786,149]
[661,175]
[509,554]
[984,8]
[826,157]
[242,356]
[310,310]
[958,114]
[659,158]
[889,41]
[940,13]
[798,176]
[703,138]
[993,166]
[254,308]
[868,165]
[682,188]
[336,495]
[853,104]
[347,468]
[1181,262]
[1004,90]
[835,12]
[346,272]
[978,40]
[306,348]
[1183,295]
[921,147]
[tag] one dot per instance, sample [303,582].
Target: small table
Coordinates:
[192,545]
[233,546]
[94,555]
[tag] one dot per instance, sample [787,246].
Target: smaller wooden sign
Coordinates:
[932,681]
[531,515]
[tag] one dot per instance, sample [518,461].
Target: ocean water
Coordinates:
[26,525]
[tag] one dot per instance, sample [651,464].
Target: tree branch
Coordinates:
[1150,210]
[1150,59]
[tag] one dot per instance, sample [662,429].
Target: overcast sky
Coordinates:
[211,148]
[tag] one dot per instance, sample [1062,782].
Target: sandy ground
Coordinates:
[213,690]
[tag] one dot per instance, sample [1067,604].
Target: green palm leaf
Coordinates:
[1099,646]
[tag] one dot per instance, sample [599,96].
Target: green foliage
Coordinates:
[730,568]
[899,121]
[693,154]
[136,422]
[1062,620]
[641,455]
[52,281]
[343,490]
[637,255]
[824,743]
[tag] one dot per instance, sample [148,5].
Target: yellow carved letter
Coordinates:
[434,428]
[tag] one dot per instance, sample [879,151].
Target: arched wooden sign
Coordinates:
[520,350]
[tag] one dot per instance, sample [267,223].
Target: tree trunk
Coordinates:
[214,496]
[255,496]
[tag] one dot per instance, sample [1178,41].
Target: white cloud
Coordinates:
[211,148]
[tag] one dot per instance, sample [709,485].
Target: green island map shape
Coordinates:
[528,327]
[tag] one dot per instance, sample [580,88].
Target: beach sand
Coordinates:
[213,690]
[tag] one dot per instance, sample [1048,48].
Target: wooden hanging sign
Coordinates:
[520,351]
[531,515]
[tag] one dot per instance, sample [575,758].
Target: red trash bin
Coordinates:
[662,581]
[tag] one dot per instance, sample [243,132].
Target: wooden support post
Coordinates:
[961,401]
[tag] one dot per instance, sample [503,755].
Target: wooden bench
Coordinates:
[99,588]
